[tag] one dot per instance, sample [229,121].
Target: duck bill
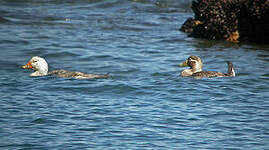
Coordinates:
[28,66]
[185,64]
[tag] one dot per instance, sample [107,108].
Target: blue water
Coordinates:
[145,104]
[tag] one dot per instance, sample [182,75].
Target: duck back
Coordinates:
[78,75]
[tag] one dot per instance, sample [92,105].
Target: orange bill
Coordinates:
[185,64]
[28,66]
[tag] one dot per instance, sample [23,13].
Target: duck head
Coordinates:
[195,63]
[39,65]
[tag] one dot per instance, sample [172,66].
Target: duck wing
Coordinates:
[208,74]
[77,75]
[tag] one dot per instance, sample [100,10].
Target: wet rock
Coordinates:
[231,20]
[189,25]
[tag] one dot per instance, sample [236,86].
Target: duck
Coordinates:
[196,69]
[40,66]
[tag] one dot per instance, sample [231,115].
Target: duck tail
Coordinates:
[107,75]
[231,71]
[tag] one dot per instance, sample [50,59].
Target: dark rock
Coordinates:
[231,20]
[189,25]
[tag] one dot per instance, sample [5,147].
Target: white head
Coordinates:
[39,65]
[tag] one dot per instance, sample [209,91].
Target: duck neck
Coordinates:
[196,68]
[187,72]
[40,72]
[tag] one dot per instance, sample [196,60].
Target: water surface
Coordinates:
[145,104]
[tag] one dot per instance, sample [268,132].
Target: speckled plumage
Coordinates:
[196,65]
[78,75]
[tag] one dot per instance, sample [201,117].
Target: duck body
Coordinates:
[196,65]
[78,75]
[40,66]
[209,74]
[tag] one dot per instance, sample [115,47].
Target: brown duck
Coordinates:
[195,63]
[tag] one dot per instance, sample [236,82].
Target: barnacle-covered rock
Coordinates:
[231,20]
[189,25]
[254,21]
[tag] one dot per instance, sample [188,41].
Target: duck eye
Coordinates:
[35,61]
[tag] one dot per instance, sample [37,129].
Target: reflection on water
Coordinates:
[145,104]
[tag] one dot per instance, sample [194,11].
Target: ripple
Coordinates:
[3,20]
[145,104]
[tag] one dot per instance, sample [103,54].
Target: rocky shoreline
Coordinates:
[231,20]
